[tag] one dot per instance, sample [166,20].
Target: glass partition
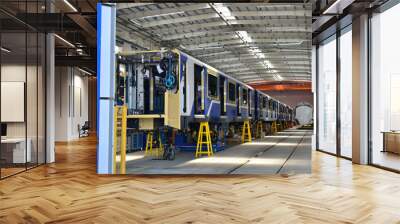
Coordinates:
[346,92]
[13,86]
[385,89]
[22,88]
[327,95]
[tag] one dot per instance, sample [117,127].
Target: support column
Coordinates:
[106,20]
[50,93]
[360,90]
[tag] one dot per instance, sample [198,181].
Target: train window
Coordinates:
[244,97]
[265,102]
[212,86]
[232,95]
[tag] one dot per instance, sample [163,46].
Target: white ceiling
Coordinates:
[251,41]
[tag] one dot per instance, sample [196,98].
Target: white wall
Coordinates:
[71,102]
[33,126]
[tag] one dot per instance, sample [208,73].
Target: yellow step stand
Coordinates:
[259,129]
[149,145]
[274,129]
[204,132]
[246,132]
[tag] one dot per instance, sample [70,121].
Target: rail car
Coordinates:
[171,90]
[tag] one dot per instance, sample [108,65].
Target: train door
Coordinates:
[184,83]
[198,89]
[238,100]
[250,103]
[222,94]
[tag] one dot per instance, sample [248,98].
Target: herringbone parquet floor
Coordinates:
[69,191]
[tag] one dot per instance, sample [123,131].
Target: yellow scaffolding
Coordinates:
[204,131]
[246,132]
[120,124]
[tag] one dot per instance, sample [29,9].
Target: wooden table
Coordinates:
[391,141]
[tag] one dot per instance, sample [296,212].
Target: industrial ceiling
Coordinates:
[252,42]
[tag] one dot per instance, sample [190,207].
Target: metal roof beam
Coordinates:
[229,32]
[184,28]
[185,19]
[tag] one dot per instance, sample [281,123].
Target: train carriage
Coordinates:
[170,89]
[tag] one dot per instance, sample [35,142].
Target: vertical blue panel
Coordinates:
[105,85]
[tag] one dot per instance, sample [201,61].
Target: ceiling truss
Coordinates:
[249,41]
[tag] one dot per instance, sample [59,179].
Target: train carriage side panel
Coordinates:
[231,100]
[212,109]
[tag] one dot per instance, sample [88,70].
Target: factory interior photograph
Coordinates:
[272,111]
[192,101]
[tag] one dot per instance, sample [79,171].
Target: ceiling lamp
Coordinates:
[5,50]
[64,40]
[164,14]
[223,11]
[245,36]
[70,5]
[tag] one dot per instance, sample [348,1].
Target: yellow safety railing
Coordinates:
[120,125]
[204,131]
[246,132]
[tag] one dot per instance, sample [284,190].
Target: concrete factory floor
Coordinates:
[287,152]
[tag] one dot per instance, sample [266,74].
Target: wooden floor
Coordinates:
[70,191]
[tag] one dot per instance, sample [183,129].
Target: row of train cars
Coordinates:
[169,92]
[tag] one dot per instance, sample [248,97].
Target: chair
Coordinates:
[84,130]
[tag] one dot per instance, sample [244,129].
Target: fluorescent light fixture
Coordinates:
[164,14]
[135,22]
[84,71]
[255,50]
[253,79]
[204,48]
[289,43]
[70,5]
[5,50]
[245,36]
[249,76]
[268,63]
[260,55]
[65,41]
[338,6]
[278,77]
[224,11]
[117,49]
